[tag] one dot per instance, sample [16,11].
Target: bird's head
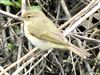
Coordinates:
[32,12]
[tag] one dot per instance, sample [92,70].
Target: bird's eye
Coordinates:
[29,16]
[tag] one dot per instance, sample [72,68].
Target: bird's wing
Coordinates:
[46,35]
[45,29]
[54,37]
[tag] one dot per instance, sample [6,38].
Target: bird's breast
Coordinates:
[44,45]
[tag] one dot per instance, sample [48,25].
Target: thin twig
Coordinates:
[90,72]
[81,13]
[44,56]
[94,9]
[65,9]
[86,38]
[10,15]
[2,69]
[18,61]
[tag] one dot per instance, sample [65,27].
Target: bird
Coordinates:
[43,33]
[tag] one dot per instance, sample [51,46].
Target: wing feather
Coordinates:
[45,29]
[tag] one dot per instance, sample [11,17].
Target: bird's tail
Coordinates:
[82,53]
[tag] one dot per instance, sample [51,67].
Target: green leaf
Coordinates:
[20,1]
[16,4]
[11,46]
[34,8]
[6,2]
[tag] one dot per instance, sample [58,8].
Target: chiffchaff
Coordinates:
[42,33]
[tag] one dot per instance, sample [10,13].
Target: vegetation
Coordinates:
[78,20]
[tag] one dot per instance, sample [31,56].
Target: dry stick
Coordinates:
[48,68]
[40,71]
[66,32]
[65,8]
[61,68]
[69,16]
[3,32]
[10,15]
[10,25]
[58,12]
[73,63]
[80,69]
[44,56]
[20,50]
[86,38]
[12,19]
[90,71]
[8,19]
[98,56]
[1,68]
[88,25]
[88,67]
[77,7]
[13,16]
[97,60]
[23,66]
[78,15]
[82,44]
[45,10]
[18,61]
